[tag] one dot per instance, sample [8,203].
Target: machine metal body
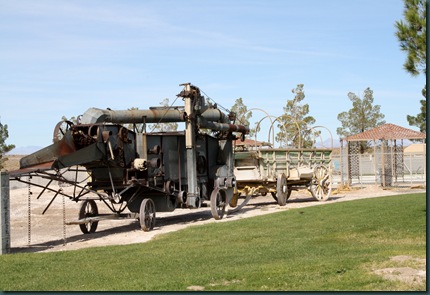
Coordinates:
[139,171]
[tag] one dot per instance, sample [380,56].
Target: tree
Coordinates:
[294,123]
[411,34]
[361,117]
[420,119]
[164,127]
[243,115]
[156,127]
[4,148]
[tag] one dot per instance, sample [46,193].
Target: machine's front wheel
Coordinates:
[88,209]
[147,215]
[218,203]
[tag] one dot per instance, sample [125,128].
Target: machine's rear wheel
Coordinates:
[320,186]
[147,215]
[282,189]
[88,209]
[218,203]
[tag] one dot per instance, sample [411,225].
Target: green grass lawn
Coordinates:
[330,247]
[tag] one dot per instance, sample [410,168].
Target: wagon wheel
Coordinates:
[147,215]
[60,130]
[218,203]
[88,209]
[276,198]
[281,189]
[320,186]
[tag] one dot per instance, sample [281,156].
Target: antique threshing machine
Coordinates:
[139,171]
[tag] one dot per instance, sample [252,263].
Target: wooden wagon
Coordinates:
[278,171]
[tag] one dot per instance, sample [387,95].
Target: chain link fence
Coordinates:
[386,169]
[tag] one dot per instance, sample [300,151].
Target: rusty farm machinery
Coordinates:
[144,172]
[136,173]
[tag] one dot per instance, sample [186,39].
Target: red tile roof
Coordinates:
[387,132]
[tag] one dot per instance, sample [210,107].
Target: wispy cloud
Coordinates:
[85,11]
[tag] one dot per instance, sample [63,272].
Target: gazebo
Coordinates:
[388,157]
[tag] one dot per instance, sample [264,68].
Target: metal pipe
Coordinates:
[212,114]
[95,115]
[223,126]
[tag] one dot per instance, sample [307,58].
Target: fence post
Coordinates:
[4,213]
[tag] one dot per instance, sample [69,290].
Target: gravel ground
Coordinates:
[47,232]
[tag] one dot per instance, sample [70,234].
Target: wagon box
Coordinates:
[279,171]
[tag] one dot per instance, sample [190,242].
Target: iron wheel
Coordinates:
[147,215]
[218,203]
[88,209]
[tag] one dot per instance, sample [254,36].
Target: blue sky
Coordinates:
[62,57]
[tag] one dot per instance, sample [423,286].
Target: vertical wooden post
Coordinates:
[4,213]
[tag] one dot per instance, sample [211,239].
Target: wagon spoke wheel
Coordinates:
[88,209]
[60,130]
[147,215]
[281,189]
[218,203]
[320,186]
[275,197]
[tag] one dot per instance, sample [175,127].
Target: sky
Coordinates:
[59,58]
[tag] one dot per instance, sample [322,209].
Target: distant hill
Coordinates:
[327,143]
[24,150]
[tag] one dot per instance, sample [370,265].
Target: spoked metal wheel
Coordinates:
[60,130]
[218,203]
[320,186]
[282,189]
[147,215]
[88,209]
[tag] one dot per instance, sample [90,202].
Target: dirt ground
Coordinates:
[32,231]
[47,232]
